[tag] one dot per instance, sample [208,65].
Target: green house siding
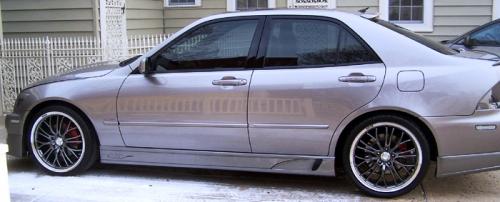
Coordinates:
[144,17]
[355,5]
[455,17]
[49,17]
[451,18]
[178,17]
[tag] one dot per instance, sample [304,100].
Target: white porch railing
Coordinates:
[27,60]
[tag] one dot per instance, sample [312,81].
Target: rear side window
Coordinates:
[304,42]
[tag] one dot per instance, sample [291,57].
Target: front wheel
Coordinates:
[386,156]
[61,142]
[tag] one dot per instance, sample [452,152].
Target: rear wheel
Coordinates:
[386,156]
[61,141]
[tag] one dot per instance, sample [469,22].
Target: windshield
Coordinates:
[418,38]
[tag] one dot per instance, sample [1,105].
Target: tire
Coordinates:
[59,131]
[392,167]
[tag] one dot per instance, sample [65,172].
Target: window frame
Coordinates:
[231,5]
[261,55]
[197,3]
[252,52]
[428,17]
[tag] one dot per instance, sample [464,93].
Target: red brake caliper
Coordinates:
[72,134]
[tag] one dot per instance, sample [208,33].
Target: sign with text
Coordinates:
[311,3]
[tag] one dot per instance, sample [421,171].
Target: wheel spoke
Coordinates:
[411,151]
[374,139]
[398,142]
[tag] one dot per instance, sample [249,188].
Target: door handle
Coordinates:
[229,81]
[357,78]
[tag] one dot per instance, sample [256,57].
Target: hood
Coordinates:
[482,55]
[86,71]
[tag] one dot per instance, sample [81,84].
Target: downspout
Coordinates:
[1,21]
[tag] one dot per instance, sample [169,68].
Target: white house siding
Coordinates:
[144,17]
[178,17]
[22,18]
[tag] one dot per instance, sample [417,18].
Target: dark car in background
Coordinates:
[485,38]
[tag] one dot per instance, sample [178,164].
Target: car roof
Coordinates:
[289,11]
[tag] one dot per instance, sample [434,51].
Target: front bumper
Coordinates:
[467,144]
[13,124]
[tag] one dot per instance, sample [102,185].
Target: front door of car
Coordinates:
[196,98]
[315,72]
[486,39]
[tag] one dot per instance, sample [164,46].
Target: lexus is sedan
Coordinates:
[314,92]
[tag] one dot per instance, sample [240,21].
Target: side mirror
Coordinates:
[145,66]
[468,42]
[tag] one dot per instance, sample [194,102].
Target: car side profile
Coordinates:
[307,92]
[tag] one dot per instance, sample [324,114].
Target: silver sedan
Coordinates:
[287,91]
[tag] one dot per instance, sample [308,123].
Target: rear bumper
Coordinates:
[467,144]
[13,124]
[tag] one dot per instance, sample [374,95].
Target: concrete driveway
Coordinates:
[141,183]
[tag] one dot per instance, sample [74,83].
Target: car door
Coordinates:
[485,39]
[315,72]
[196,99]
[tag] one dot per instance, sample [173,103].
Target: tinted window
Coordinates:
[217,45]
[294,42]
[351,50]
[420,39]
[489,36]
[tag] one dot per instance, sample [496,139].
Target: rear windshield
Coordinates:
[420,39]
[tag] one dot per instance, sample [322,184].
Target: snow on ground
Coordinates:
[139,183]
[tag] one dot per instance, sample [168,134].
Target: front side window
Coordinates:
[296,42]
[489,36]
[212,46]
[251,4]
[406,10]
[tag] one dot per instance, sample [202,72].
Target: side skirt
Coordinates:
[273,163]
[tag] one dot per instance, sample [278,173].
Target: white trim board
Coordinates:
[231,4]
[496,9]
[197,3]
[331,3]
[426,26]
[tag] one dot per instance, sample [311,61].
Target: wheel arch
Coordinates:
[426,129]
[47,103]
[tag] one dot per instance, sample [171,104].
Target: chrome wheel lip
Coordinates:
[40,159]
[370,185]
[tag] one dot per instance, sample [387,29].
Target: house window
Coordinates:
[251,4]
[415,15]
[242,5]
[406,10]
[182,3]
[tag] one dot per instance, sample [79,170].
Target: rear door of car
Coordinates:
[315,71]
